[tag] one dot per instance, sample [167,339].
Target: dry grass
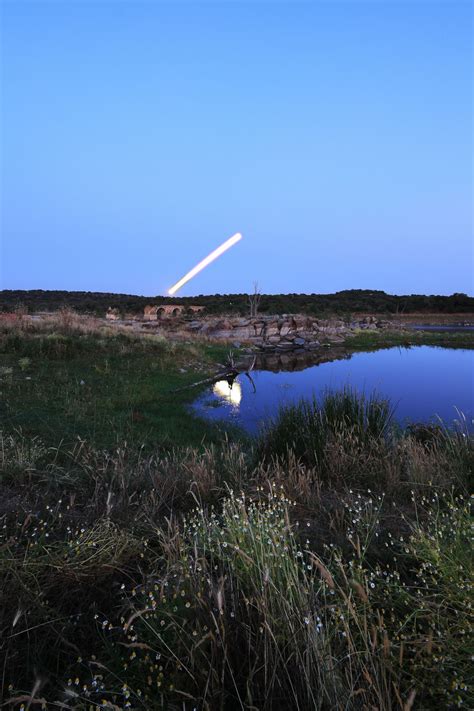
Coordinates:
[239,612]
[299,593]
[65,321]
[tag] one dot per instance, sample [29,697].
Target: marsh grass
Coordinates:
[344,420]
[239,612]
[367,340]
[173,590]
[104,387]
[350,439]
[328,567]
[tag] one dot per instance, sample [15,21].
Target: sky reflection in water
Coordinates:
[422,382]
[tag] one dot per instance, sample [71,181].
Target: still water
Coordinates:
[423,383]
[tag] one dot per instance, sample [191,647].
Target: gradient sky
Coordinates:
[336,136]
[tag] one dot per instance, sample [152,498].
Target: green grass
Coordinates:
[106,390]
[369,340]
[309,429]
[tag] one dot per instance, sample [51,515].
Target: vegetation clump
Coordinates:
[345,420]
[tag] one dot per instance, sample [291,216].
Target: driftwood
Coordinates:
[230,373]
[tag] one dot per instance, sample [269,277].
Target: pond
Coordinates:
[423,383]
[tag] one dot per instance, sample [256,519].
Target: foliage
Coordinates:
[342,302]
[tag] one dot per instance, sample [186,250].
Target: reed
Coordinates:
[310,429]
[141,581]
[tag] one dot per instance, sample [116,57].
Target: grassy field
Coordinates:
[105,387]
[371,340]
[149,561]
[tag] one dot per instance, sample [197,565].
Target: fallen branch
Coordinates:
[230,374]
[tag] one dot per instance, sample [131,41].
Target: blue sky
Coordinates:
[336,136]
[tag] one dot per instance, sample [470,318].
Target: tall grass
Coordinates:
[240,612]
[309,428]
[330,567]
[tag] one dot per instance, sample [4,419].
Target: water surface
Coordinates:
[422,382]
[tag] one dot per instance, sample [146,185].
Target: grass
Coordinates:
[311,430]
[151,590]
[328,565]
[101,386]
[368,339]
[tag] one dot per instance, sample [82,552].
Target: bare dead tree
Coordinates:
[254,300]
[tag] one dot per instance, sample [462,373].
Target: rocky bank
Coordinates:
[269,333]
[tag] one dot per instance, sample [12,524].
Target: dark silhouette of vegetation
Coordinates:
[342,302]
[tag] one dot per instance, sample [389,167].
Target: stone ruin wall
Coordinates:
[153,313]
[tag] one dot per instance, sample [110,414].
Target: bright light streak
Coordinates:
[231,393]
[207,260]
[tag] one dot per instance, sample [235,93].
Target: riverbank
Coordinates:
[78,381]
[433,319]
[365,340]
[281,334]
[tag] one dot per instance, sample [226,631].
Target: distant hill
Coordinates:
[342,302]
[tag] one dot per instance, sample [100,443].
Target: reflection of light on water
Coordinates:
[231,394]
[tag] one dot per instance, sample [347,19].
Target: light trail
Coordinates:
[204,262]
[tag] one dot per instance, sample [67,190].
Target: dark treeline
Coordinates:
[342,302]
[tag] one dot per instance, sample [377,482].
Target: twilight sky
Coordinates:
[336,136]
